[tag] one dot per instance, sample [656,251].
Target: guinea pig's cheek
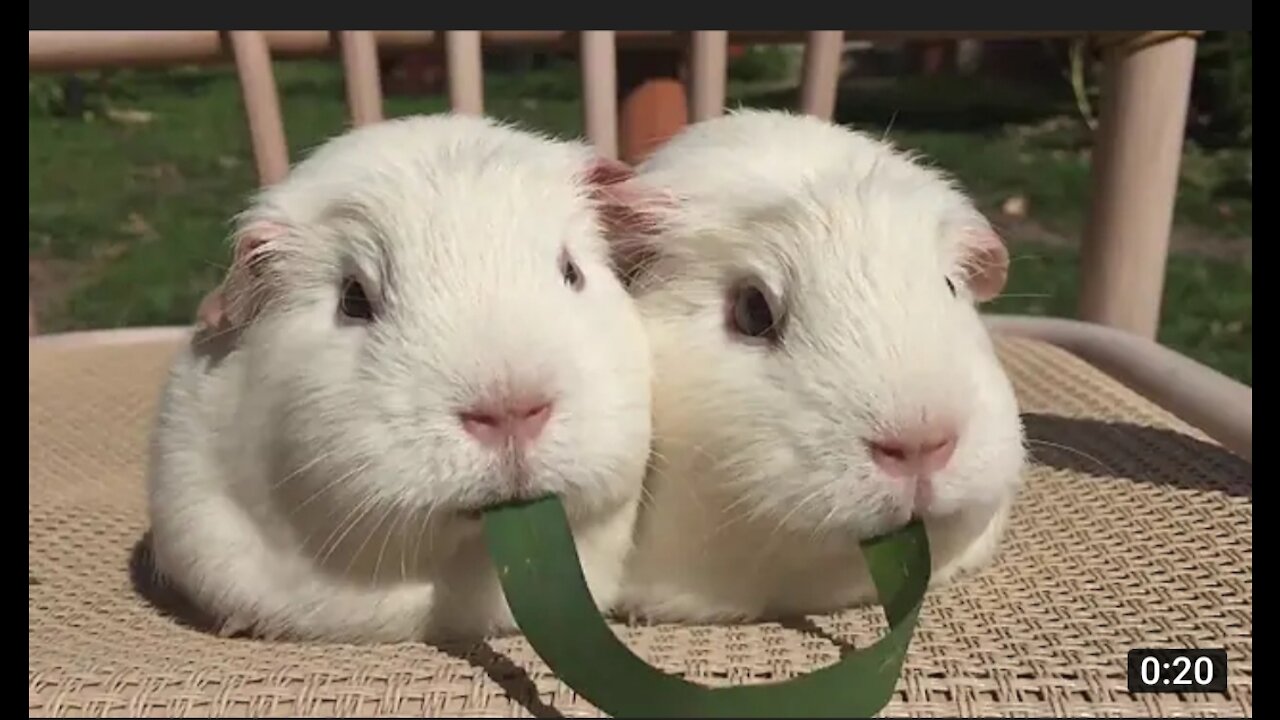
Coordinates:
[941,500]
[964,485]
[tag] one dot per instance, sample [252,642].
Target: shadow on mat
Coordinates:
[806,626]
[1141,453]
[509,676]
[512,678]
[162,596]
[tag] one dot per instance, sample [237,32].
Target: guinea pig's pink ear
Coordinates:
[631,213]
[625,205]
[237,301]
[985,260]
[212,313]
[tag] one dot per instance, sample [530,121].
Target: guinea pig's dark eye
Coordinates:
[951,286]
[571,272]
[751,312]
[354,303]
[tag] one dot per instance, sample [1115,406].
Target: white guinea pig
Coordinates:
[822,373]
[420,321]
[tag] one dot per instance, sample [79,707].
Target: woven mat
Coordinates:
[1135,531]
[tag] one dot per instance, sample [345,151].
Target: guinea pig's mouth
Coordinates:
[475,512]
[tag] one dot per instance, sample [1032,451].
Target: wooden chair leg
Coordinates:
[822,54]
[364,84]
[600,90]
[465,66]
[1135,180]
[261,105]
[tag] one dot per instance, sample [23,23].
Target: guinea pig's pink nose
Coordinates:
[914,454]
[518,419]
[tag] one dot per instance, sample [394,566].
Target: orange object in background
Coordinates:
[650,113]
[653,105]
[655,98]
[655,101]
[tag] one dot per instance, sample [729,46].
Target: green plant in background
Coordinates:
[1224,85]
[46,96]
[762,63]
[86,96]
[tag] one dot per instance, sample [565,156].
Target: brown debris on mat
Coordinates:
[1135,530]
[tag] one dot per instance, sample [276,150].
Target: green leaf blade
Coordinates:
[537,562]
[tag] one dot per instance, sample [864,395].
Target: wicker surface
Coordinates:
[1134,531]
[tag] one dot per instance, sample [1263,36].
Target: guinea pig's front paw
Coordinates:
[973,556]
[235,626]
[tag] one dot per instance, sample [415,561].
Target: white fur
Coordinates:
[762,483]
[311,481]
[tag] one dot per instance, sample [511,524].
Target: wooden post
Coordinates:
[360,66]
[261,105]
[1135,177]
[654,105]
[709,64]
[820,86]
[465,65]
[598,58]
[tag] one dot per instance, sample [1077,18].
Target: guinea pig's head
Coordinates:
[811,301]
[430,306]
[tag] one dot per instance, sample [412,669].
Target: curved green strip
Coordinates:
[538,564]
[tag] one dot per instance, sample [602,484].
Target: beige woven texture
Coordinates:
[1134,531]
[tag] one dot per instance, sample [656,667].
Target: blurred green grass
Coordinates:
[128,212]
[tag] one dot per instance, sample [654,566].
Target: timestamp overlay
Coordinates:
[1177,670]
